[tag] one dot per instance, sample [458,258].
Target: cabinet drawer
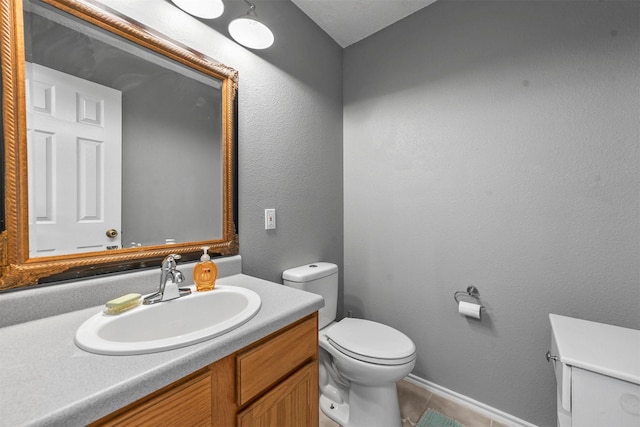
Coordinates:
[182,403]
[265,364]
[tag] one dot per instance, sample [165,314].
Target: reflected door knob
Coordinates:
[112,233]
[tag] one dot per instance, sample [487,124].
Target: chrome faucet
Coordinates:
[168,291]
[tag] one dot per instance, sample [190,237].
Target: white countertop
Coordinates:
[46,380]
[605,349]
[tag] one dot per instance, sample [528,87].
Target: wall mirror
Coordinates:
[118,144]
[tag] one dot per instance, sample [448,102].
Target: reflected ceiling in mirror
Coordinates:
[124,143]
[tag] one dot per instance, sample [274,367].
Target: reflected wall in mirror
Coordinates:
[119,144]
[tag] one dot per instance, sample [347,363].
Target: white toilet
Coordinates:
[360,360]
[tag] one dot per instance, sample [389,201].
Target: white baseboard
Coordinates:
[474,405]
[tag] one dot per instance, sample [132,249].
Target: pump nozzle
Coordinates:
[205,256]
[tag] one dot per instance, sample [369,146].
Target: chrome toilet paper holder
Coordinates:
[471,292]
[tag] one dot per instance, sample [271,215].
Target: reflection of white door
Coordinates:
[74,134]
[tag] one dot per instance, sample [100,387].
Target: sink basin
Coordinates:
[171,324]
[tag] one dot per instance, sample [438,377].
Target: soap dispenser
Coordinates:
[205,272]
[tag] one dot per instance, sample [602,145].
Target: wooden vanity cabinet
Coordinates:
[273,382]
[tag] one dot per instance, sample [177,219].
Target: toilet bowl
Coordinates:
[360,360]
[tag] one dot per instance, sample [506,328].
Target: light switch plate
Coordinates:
[269,219]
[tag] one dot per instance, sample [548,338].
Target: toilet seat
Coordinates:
[371,342]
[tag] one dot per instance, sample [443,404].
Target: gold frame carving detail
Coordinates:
[16,268]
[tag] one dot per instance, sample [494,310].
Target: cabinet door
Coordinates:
[293,403]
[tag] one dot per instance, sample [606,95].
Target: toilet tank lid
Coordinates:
[306,273]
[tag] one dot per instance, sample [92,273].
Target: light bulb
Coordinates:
[207,9]
[251,33]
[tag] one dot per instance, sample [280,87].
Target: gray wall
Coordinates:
[494,144]
[290,144]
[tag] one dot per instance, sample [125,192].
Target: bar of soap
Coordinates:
[122,304]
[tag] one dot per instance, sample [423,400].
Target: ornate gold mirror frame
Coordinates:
[16,267]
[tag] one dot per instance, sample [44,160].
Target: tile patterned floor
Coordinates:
[414,401]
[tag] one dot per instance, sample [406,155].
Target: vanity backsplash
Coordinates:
[48,300]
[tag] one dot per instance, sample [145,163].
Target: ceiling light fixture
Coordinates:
[250,32]
[207,9]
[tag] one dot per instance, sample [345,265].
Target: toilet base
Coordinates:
[338,412]
[368,406]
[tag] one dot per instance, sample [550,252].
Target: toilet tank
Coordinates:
[319,278]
